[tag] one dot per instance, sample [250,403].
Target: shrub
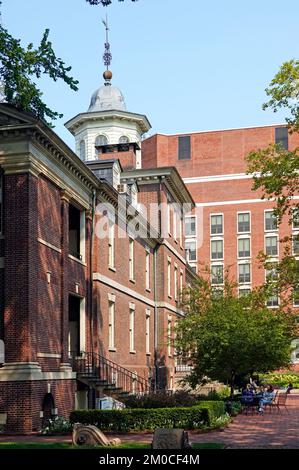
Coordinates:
[161,400]
[281,379]
[201,416]
[57,425]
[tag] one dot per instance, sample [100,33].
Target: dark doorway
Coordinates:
[74,325]
[48,408]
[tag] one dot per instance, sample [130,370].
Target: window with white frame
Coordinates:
[216,249]
[169,277]
[181,229]
[190,226]
[131,259]
[169,337]
[244,291]
[111,324]
[271,245]
[147,269]
[296,297]
[273,300]
[296,244]
[270,221]
[271,272]
[147,331]
[217,274]
[190,249]
[216,224]
[132,329]
[244,273]
[295,220]
[243,247]
[175,281]
[295,352]
[101,140]
[243,222]
[111,244]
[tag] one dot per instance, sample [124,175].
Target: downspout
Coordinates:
[156,365]
[91,271]
[91,392]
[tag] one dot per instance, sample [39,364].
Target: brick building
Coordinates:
[85,313]
[231,223]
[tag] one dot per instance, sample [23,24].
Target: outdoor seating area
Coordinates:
[260,399]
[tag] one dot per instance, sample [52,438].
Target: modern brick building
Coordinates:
[231,223]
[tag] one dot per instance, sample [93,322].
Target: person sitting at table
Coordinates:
[247,395]
[289,388]
[266,399]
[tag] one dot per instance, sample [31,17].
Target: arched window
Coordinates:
[82,150]
[124,139]
[101,140]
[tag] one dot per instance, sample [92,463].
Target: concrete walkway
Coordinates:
[271,430]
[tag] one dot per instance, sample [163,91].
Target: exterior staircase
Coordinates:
[106,376]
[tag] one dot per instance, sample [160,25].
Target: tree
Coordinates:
[224,336]
[276,169]
[19,66]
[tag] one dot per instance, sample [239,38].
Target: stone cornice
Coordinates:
[167,175]
[77,121]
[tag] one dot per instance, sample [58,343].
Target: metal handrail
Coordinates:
[95,365]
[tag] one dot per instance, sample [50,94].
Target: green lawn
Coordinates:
[64,445]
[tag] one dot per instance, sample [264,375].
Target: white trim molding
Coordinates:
[49,245]
[126,290]
[240,201]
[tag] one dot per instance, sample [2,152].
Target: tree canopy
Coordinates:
[226,336]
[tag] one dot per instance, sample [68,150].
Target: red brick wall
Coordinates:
[23,401]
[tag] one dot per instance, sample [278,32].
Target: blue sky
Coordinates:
[200,66]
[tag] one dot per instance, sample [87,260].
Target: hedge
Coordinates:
[200,416]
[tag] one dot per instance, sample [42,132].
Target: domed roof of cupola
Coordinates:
[106,98]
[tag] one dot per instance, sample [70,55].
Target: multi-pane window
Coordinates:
[296,219]
[184,145]
[217,274]
[296,297]
[190,227]
[111,244]
[190,248]
[147,269]
[216,249]
[244,247]
[296,244]
[270,221]
[132,330]
[271,246]
[147,331]
[217,293]
[101,140]
[244,292]
[169,277]
[131,258]
[216,224]
[244,273]
[271,272]
[273,300]
[282,137]
[244,222]
[111,325]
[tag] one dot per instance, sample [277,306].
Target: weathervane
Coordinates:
[107,57]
